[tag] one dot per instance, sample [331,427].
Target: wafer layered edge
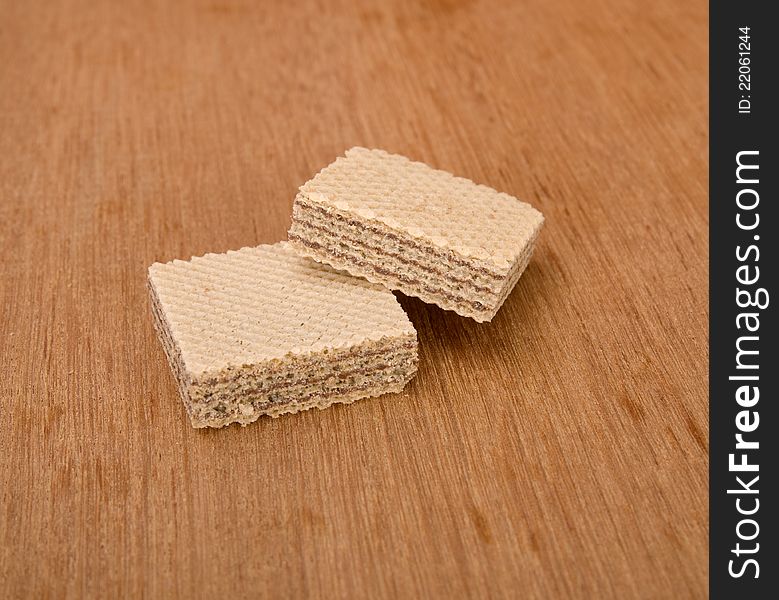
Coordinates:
[296,382]
[393,258]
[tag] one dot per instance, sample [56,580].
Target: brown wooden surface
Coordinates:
[560,451]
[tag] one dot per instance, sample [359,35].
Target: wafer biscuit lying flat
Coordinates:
[264,331]
[412,228]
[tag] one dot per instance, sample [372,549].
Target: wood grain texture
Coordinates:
[560,451]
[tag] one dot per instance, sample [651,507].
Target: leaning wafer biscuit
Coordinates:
[412,228]
[264,331]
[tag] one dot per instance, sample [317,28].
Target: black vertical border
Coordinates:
[731,132]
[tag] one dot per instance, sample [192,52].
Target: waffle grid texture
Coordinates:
[425,232]
[265,331]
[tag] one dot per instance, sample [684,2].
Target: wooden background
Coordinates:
[560,451]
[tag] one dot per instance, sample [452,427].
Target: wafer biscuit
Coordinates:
[264,331]
[412,228]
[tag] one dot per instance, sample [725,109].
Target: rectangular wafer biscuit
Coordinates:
[265,331]
[415,229]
